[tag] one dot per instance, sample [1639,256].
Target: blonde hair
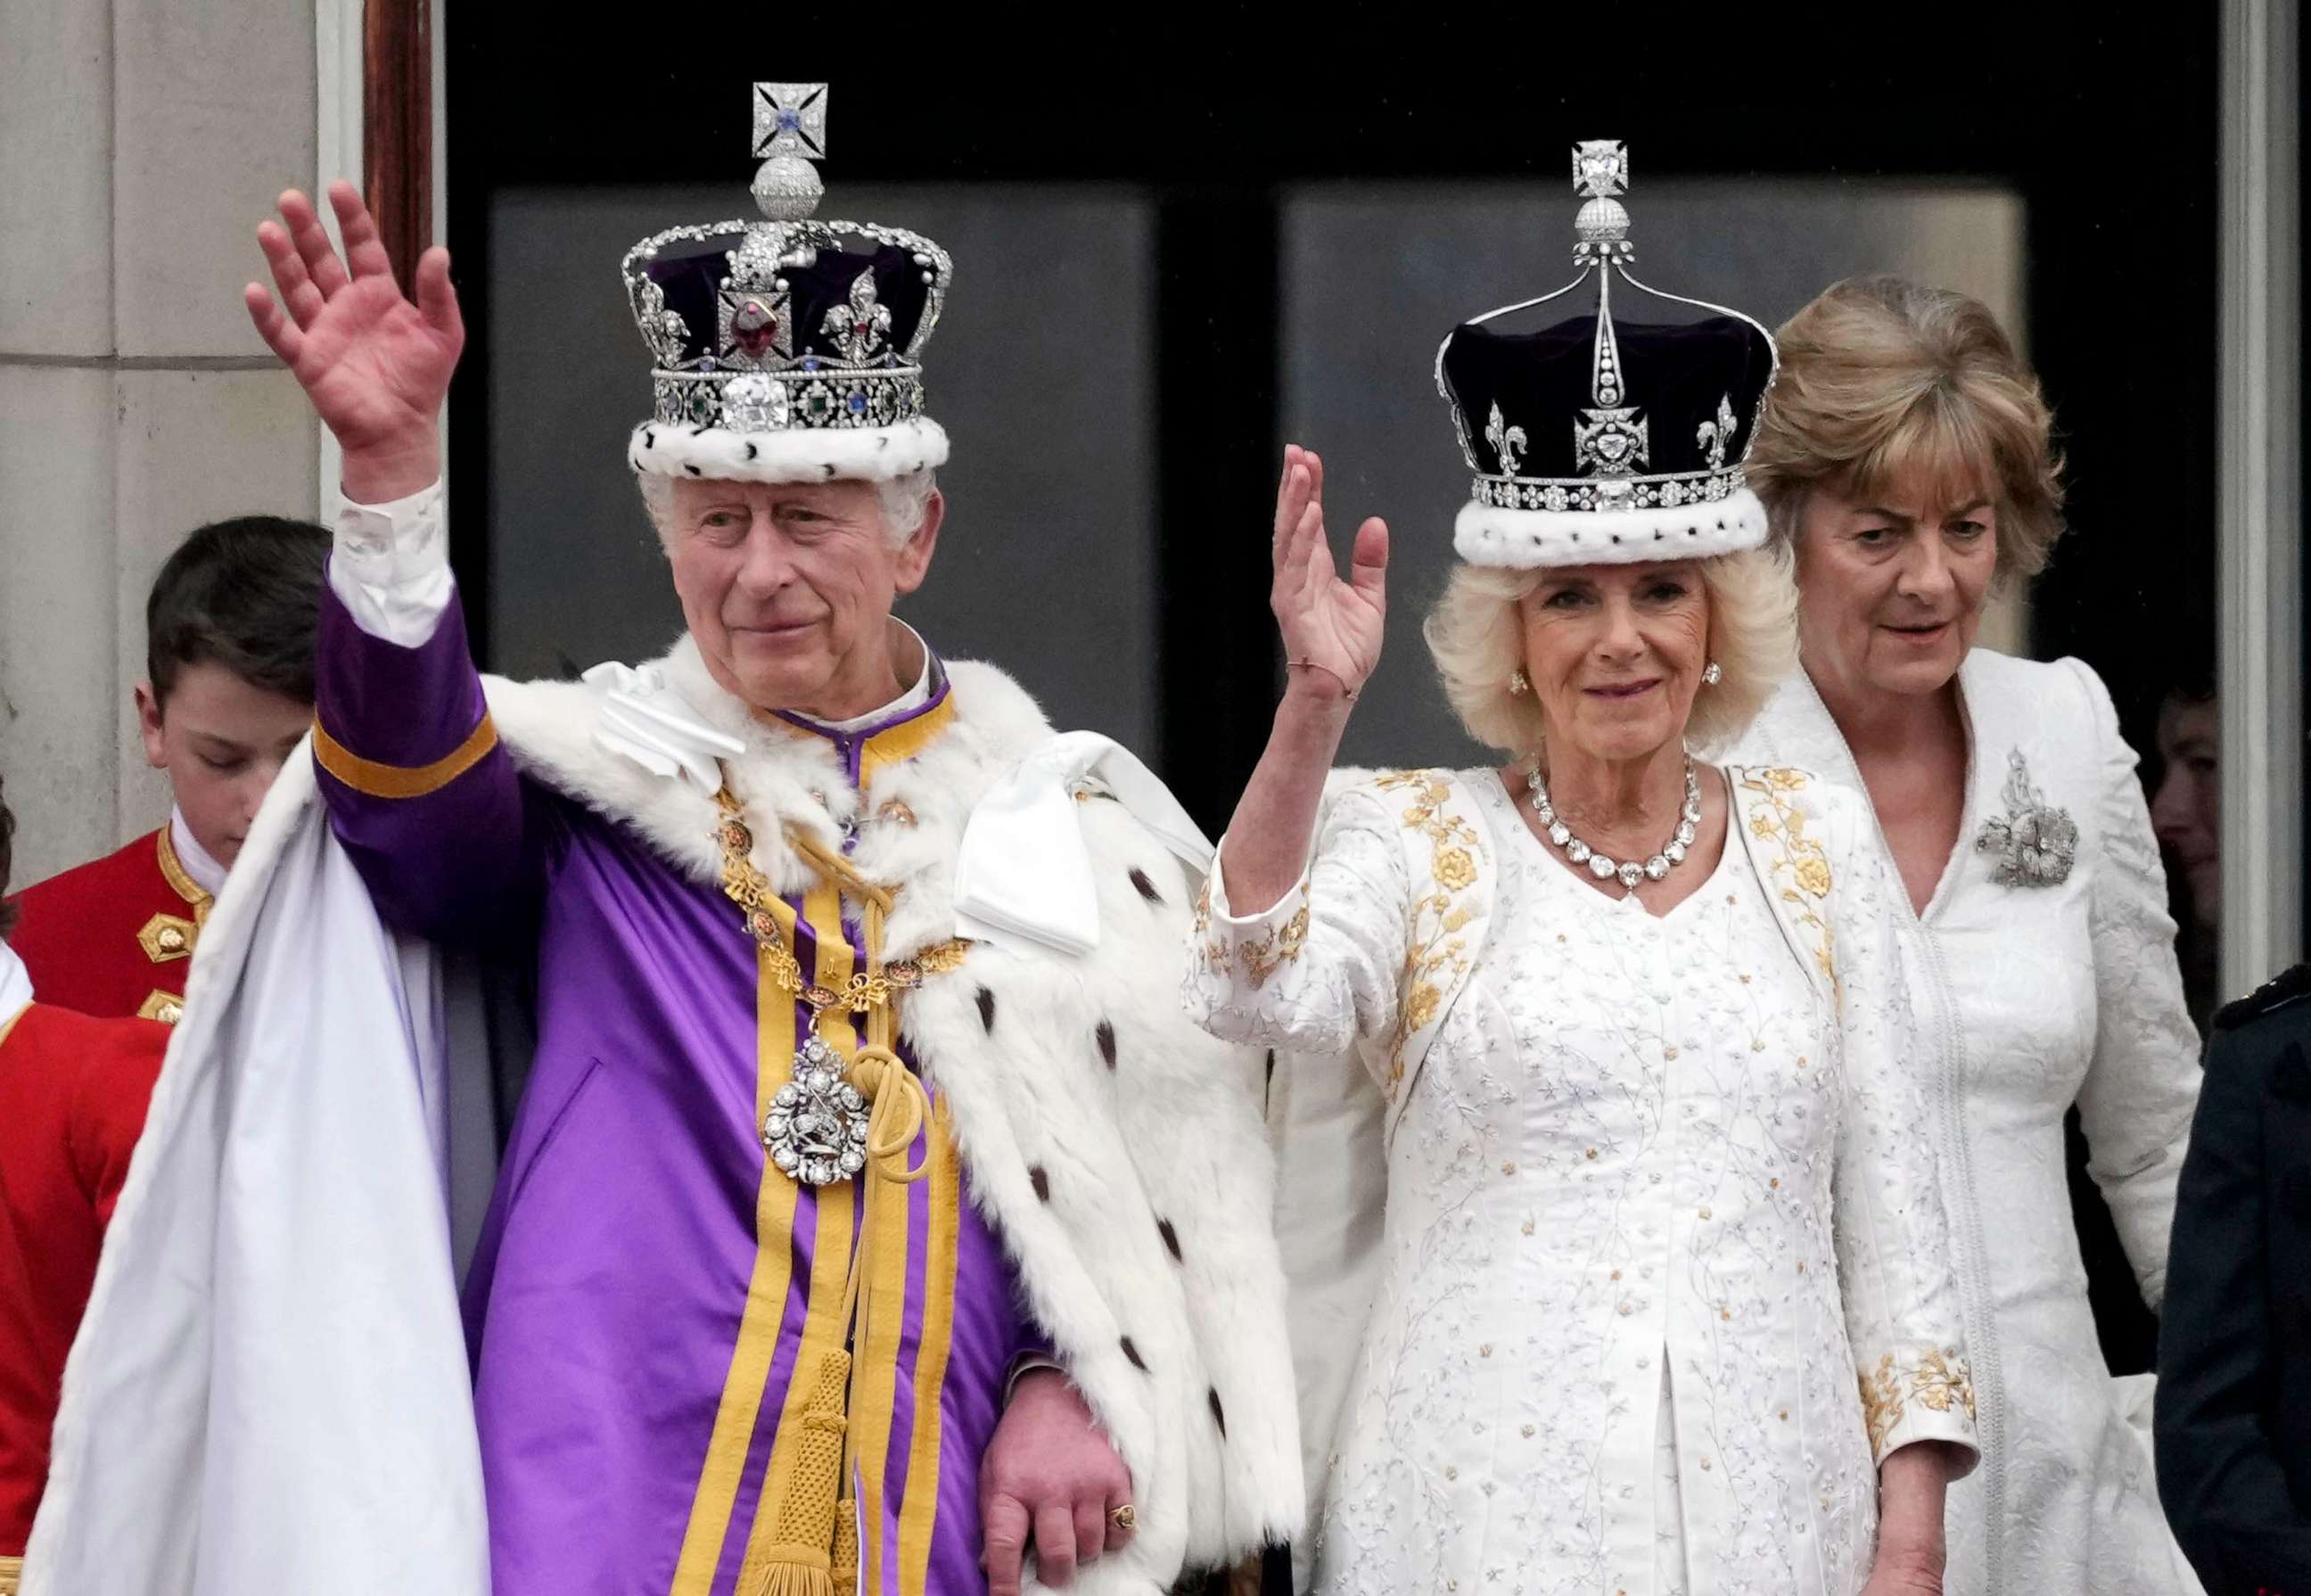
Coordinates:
[1883,378]
[1475,634]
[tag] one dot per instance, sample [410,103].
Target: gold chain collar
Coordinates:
[745,884]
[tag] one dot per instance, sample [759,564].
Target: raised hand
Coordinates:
[1332,629]
[1331,642]
[375,366]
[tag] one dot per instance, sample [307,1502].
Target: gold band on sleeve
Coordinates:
[368,777]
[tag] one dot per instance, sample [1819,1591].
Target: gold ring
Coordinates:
[1124,1517]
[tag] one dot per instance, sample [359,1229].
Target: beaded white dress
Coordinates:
[1663,1271]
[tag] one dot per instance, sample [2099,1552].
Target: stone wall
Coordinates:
[144,141]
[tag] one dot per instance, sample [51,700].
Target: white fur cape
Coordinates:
[269,1389]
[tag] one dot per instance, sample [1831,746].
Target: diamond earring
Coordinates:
[1713,675]
[1517,683]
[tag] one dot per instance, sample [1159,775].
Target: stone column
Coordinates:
[2259,499]
[145,140]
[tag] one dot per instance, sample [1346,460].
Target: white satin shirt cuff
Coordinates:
[389,566]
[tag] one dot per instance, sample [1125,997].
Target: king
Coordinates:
[871,1207]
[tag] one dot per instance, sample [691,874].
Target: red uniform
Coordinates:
[112,937]
[73,1097]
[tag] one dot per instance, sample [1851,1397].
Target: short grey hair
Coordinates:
[1476,638]
[905,501]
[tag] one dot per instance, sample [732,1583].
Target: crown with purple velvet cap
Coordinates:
[788,349]
[1606,441]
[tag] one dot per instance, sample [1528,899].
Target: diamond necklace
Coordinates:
[1672,852]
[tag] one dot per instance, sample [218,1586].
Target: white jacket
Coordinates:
[2030,999]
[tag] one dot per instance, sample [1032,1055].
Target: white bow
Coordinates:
[1023,874]
[645,718]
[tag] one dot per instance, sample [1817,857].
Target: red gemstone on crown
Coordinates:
[753,329]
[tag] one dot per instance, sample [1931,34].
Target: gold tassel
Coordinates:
[795,1579]
[796,1562]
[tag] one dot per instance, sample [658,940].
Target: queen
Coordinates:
[1634,1277]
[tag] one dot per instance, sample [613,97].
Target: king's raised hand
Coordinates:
[1332,629]
[375,366]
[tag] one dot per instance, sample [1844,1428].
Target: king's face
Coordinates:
[788,590]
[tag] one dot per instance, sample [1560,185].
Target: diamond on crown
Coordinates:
[1600,168]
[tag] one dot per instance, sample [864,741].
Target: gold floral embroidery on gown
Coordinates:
[1436,955]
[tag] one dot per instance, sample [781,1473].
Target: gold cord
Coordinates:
[899,1107]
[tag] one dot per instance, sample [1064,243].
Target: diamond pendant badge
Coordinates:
[817,1128]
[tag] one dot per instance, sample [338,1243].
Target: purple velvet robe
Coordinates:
[627,1400]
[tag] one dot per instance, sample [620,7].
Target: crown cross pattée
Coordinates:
[790,120]
[1600,168]
[790,134]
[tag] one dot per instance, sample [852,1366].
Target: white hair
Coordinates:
[905,501]
[1476,638]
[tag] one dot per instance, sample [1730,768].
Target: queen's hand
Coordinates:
[1332,629]
[1332,632]
[1912,1488]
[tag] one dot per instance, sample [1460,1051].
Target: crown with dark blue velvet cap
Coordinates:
[1605,440]
[788,349]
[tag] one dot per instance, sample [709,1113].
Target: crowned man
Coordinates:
[870,1208]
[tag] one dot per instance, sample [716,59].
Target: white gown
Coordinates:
[2030,998]
[1650,1208]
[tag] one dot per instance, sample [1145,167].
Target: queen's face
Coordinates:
[1614,655]
[1891,587]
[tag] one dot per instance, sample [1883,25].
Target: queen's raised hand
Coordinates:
[1332,628]
[1332,632]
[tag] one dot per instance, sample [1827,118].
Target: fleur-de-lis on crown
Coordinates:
[859,328]
[1507,441]
[1717,436]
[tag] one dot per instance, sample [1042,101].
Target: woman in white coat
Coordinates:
[1903,459]
[1661,1302]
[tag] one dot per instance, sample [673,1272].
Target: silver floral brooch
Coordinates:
[2036,843]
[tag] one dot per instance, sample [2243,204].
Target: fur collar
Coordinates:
[908,821]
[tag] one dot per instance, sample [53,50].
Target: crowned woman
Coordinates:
[1633,1275]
